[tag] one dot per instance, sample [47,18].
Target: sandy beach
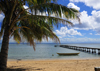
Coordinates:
[53,65]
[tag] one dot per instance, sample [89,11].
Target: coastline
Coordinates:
[53,65]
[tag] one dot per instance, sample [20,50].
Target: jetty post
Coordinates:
[94,50]
[98,51]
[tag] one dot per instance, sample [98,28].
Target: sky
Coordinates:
[86,32]
[89,29]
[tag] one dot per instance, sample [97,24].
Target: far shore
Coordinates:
[53,65]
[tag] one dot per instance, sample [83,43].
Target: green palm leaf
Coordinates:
[32,26]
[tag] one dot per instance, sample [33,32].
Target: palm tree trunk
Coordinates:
[4,50]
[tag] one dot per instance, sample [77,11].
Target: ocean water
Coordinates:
[47,51]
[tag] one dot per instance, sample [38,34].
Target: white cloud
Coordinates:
[89,22]
[92,3]
[97,34]
[72,5]
[91,34]
[69,40]
[64,31]
[80,40]
[26,7]
[96,15]
[1,17]
[12,40]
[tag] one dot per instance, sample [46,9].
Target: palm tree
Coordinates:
[33,23]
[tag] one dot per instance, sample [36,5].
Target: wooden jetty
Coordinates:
[79,48]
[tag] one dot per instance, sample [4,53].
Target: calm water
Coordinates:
[45,51]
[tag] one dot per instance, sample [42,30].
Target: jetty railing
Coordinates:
[79,48]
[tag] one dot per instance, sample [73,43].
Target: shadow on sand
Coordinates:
[17,69]
[21,69]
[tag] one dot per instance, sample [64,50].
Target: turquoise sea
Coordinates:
[47,51]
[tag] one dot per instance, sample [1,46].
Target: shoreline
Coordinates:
[54,59]
[53,65]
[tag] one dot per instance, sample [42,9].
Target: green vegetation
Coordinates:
[29,24]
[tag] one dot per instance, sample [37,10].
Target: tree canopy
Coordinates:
[31,20]
[36,21]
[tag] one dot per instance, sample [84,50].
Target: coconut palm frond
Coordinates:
[36,21]
[17,37]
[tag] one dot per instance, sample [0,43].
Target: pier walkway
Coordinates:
[79,48]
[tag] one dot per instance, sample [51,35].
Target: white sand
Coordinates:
[53,65]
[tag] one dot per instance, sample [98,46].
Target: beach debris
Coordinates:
[97,68]
[52,54]
[18,60]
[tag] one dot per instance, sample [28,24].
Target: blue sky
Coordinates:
[86,32]
[89,29]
